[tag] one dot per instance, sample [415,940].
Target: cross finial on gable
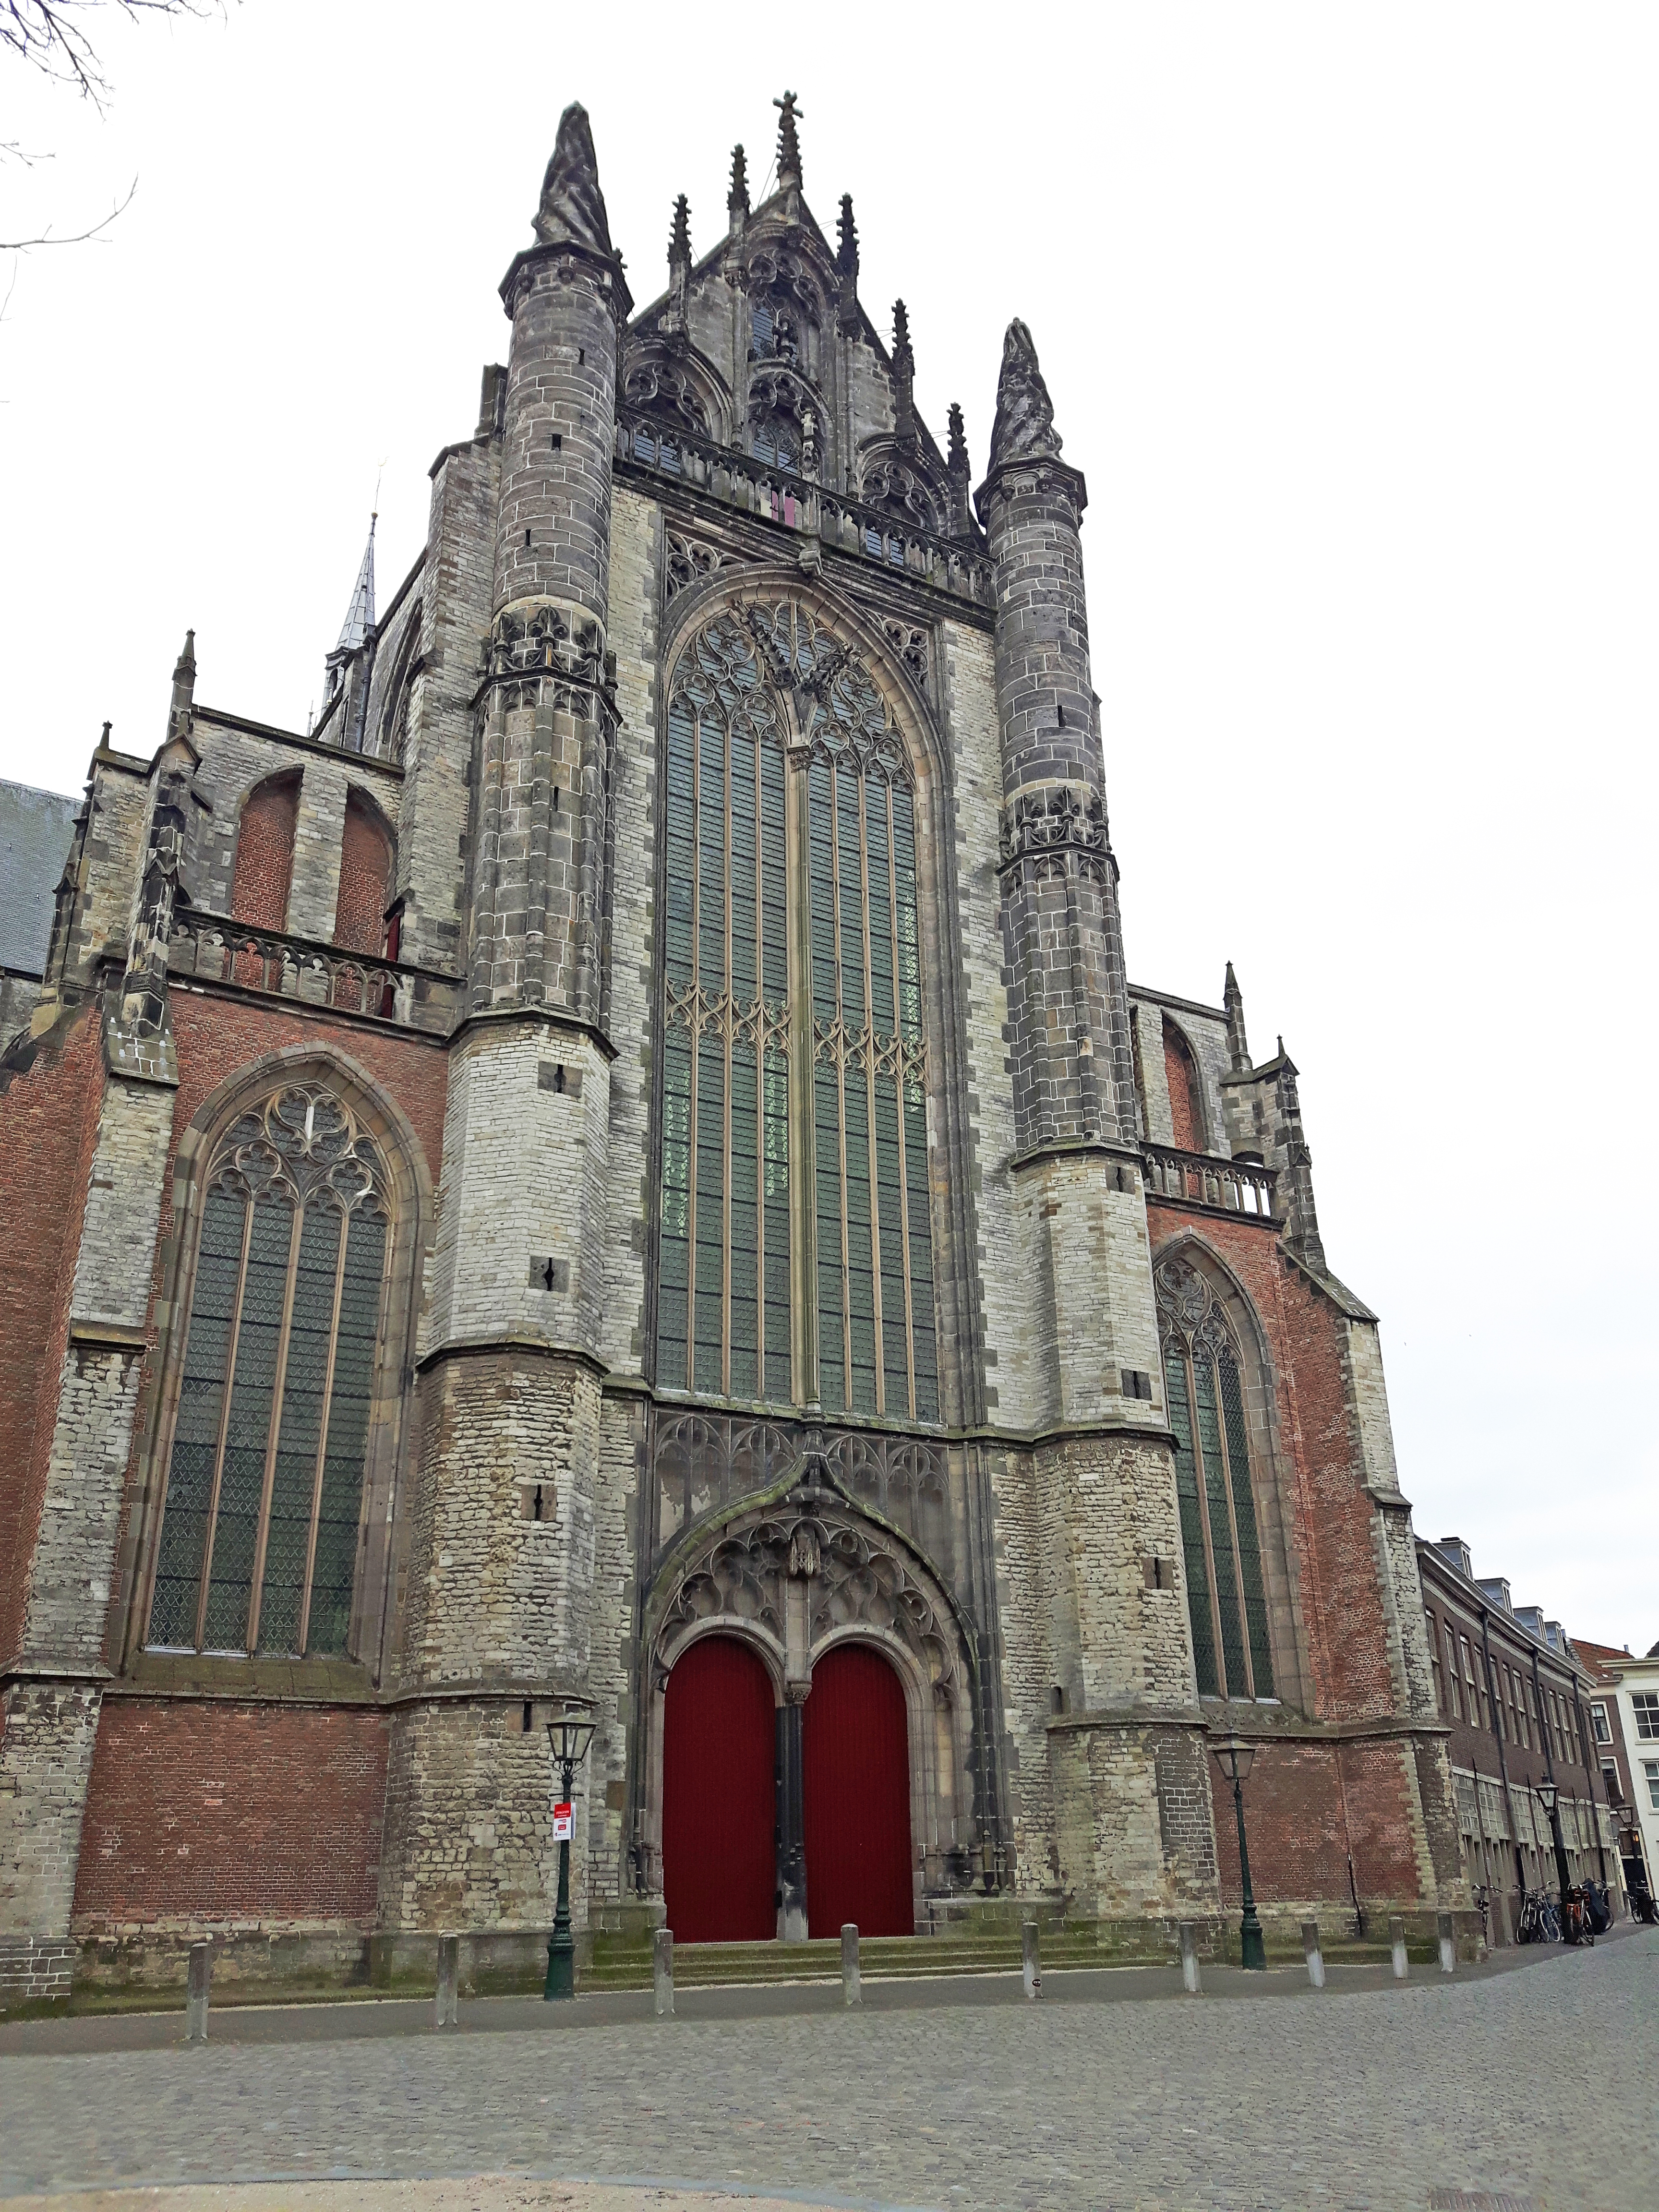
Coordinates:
[788,141]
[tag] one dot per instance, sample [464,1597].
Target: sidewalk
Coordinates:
[368,2018]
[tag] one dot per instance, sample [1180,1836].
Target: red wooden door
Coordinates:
[856,1781]
[719,1742]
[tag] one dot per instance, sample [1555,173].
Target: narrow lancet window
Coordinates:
[1220,1543]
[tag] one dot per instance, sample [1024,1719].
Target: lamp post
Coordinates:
[1236,1759]
[568,1735]
[1549,1798]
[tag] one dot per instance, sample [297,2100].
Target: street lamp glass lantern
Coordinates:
[569,1735]
[1547,1797]
[1235,1758]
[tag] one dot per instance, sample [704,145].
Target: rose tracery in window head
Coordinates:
[301,1143]
[841,713]
[896,487]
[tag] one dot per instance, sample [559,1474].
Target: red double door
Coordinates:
[719,1796]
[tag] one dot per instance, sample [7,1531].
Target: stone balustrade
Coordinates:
[756,487]
[1202,1179]
[211,947]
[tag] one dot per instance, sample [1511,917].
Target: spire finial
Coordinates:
[847,251]
[788,143]
[1232,1000]
[183,703]
[846,268]
[1024,426]
[572,211]
[736,198]
[679,238]
[904,373]
[957,456]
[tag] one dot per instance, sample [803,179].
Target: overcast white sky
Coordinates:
[1349,317]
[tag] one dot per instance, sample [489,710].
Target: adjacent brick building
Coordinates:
[1517,1692]
[636,1129]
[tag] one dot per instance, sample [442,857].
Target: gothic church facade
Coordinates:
[622,1172]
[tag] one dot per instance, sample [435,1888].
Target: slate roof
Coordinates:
[34,842]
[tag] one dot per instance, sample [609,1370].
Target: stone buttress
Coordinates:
[1132,1830]
[501,1549]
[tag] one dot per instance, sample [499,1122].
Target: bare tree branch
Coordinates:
[51,36]
[76,238]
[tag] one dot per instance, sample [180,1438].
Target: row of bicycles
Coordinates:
[1585,1912]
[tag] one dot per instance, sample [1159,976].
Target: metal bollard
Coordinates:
[195,1997]
[1311,1953]
[444,2005]
[662,1971]
[850,1993]
[1448,1931]
[1031,1960]
[1191,1980]
[1397,1941]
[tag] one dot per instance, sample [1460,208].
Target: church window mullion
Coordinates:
[284,1335]
[323,1408]
[1218,1523]
[223,1439]
[899,1074]
[234,1543]
[869,1098]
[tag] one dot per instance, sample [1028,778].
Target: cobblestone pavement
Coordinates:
[1537,2085]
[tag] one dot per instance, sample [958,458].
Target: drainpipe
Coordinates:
[1502,1764]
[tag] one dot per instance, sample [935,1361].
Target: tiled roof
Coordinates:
[34,842]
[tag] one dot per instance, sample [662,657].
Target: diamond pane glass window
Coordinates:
[1226,1596]
[260,1523]
[795,1252]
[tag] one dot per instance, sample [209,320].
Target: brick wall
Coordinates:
[48,1103]
[1306,1806]
[264,855]
[365,867]
[1185,1122]
[209,1811]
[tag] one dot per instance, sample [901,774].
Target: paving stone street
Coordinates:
[1534,2083]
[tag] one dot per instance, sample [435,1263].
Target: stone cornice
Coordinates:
[551,1017]
[607,266]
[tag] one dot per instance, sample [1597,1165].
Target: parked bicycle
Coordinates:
[1483,1901]
[1539,1921]
[1576,1920]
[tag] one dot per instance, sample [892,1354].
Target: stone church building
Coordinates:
[622,1171]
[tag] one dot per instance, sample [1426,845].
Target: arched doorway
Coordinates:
[856,1782]
[718,1853]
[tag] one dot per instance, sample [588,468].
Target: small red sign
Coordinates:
[561,1824]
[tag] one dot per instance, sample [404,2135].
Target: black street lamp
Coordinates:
[1548,1796]
[1236,1759]
[568,1735]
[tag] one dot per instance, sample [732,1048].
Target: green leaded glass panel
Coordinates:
[196,1435]
[1249,1547]
[340,1509]
[305,1378]
[275,1298]
[675,1263]
[1221,1533]
[832,1355]
[241,1484]
[724,1284]
[1192,1526]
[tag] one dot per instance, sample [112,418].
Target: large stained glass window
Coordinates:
[1220,1543]
[259,1530]
[796,1257]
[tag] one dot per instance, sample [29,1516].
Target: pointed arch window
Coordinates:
[1220,1542]
[795,1255]
[260,1521]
